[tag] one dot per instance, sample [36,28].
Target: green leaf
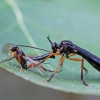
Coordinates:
[30,22]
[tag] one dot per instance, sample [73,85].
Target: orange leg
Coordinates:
[73,54]
[52,54]
[19,59]
[82,67]
[14,54]
[35,64]
[60,64]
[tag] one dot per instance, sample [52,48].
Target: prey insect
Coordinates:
[67,49]
[23,59]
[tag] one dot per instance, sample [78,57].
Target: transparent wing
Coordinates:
[38,68]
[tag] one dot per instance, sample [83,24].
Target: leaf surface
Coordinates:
[30,22]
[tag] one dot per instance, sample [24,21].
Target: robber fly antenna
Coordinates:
[49,39]
[33,47]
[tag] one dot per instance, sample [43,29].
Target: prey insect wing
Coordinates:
[38,68]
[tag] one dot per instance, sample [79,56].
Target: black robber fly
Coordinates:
[67,49]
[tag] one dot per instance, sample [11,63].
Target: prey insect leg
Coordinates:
[35,64]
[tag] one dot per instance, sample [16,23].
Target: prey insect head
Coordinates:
[54,45]
[13,48]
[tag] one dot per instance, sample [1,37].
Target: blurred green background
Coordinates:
[30,22]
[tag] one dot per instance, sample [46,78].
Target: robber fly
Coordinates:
[67,49]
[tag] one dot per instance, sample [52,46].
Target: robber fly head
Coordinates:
[54,45]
